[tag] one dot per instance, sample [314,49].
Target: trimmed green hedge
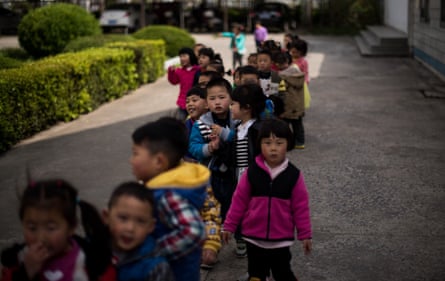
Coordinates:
[39,94]
[96,41]
[174,37]
[149,58]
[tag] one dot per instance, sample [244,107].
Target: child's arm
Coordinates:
[172,76]
[300,210]
[187,229]
[198,148]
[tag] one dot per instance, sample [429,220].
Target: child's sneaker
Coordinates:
[241,249]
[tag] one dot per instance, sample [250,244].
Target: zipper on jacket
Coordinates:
[268,209]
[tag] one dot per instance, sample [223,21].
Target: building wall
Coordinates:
[428,37]
[396,14]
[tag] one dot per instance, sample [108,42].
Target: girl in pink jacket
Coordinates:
[271,202]
[183,76]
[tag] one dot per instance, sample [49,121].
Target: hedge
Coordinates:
[39,94]
[149,58]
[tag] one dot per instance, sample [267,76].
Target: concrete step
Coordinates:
[382,41]
[387,35]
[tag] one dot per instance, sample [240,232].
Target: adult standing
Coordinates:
[260,34]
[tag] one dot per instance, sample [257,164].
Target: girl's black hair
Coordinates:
[208,52]
[278,128]
[282,57]
[60,195]
[166,135]
[192,56]
[250,96]
[300,45]
[220,82]
[132,189]
[248,69]
[218,65]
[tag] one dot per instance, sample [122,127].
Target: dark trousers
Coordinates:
[297,129]
[261,261]
[237,58]
[223,188]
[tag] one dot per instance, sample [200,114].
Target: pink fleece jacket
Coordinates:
[269,218]
[184,77]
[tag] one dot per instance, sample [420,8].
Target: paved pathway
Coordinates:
[374,164]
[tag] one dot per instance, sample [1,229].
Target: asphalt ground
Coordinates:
[374,163]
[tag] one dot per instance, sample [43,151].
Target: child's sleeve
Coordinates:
[211,215]
[198,148]
[227,134]
[161,272]
[240,202]
[183,219]
[300,209]
[172,76]
[227,34]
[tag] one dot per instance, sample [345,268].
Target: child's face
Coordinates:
[238,112]
[264,62]
[130,220]
[184,59]
[203,61]
[282,66]
[274,150]
[295,54]
[196,106]
[218,101]
[253,61]
[46,232]
[248,78]
[196,50]
[144,163]
[286,41]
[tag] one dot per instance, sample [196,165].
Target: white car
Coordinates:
[124,15]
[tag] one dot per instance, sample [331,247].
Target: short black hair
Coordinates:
[208,52]
[300,45]
[278,128]
[197,91]
[265,52]
[250,96]
[248,69]
[221,82]
[132,189]
[166,135]
[282,57]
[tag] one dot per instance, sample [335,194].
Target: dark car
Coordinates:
[9,21]
[272,15]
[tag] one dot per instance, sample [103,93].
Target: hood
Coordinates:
[185,176]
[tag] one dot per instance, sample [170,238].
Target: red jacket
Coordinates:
[183,76]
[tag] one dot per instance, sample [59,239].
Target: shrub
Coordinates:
[7,62]
[363,13]
[47,30]
[95,41]
[149,58]
[15,53]
[174,38]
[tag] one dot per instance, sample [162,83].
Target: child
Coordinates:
[237,44]
[249,75]
[184,77]
[260,34]
[130,218]
[271,202]
[206,76]
[211,212]
[287,40]
[236,77]
[210,141]
[252,60]
[179,192]
[298,51]
[269,82]
[197,47]
[206,55]
[51,249]
[293,96]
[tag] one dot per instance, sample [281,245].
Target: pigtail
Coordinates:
[98,238]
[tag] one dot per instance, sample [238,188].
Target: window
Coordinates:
[425,10]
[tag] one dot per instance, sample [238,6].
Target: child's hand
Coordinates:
[34,259]
[226,236]
[214,143]
[307,246]
[216,129]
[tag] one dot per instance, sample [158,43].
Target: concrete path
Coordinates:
[374,164]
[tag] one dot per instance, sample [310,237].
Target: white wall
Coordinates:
[396,14]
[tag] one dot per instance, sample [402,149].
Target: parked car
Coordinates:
[273,15]
[9,21]
[126,16]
